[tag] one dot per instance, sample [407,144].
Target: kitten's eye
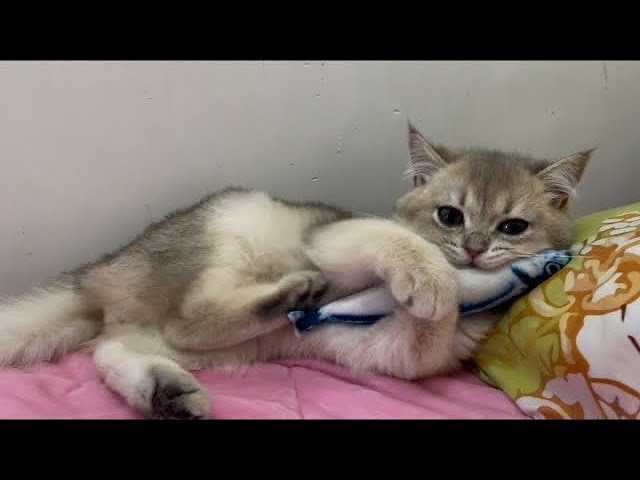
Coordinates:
[450,216]
[513,226]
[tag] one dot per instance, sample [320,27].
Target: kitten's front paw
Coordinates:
[428,293]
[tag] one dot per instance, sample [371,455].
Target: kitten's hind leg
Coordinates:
[133,366]
[177,394]
[295,291]
[220,313]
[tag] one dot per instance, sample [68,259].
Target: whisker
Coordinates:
[523,254]
[366,214]
[532,255]
[449,242]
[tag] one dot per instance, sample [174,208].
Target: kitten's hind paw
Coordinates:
[177,395]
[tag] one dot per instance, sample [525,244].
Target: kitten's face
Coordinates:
[488,208]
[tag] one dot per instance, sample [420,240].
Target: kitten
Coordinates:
[211,285]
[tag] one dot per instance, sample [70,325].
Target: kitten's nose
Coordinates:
[473,253]
[475,244]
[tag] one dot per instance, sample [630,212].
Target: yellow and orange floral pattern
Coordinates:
[571,347]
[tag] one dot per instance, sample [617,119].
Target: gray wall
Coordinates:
[91,152]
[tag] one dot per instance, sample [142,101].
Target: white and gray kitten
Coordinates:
[211,285]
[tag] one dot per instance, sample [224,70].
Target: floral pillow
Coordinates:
[571,347]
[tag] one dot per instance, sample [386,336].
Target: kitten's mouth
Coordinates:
[478,263]
[481,264]
[478,266]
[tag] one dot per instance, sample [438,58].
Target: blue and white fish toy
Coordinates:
[478,290]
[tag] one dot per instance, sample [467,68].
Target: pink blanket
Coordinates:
[287,390]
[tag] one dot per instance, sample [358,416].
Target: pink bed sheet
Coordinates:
[71,389]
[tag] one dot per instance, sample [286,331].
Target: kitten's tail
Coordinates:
[45,324]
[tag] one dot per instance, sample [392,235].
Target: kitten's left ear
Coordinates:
[425,161]
[562,176]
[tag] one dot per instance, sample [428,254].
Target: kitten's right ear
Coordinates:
[425,161]
[562,176]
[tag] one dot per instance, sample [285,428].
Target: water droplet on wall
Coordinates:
[396,111]
[314,179]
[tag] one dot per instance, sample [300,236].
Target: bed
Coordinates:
[72,389]
[567,349]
